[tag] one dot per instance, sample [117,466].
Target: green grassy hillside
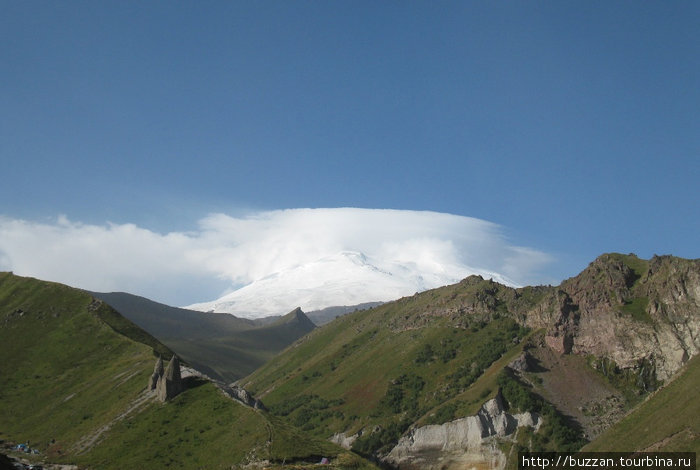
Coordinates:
[669,420]
[74,381]
[65,369]
[421,359]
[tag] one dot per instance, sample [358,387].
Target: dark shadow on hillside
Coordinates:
[535,365]
[193,382]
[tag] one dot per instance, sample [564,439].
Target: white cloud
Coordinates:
[184,267]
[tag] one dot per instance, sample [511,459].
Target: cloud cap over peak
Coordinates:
[226,252]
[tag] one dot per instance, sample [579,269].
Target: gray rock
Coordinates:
[344,440]
[522,363]
[243,396]
[466,440]
[157,374]
[170,384]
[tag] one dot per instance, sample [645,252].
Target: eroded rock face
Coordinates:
[343,440]
[470,440]
[170,384]
[242,395]
[166,383]
[157,374]
[609,310]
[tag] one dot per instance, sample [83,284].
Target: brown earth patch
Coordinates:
[575,390]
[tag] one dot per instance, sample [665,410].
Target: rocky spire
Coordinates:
[172,373]
[170,383]
[157,374]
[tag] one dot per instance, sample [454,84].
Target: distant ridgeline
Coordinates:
[222,346]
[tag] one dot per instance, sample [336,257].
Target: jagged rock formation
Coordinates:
[470,440]
[167,384]
[635,312]
[629,310]
[157,374]
[243,396]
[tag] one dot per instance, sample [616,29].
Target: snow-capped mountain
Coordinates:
[346,278]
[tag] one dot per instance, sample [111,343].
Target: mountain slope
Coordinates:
[347,278]
[63,361]
[370,377]
[74,387]
[220,345]
[666,422]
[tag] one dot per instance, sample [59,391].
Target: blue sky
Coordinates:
[572,125]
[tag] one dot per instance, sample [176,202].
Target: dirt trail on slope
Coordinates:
[88,441]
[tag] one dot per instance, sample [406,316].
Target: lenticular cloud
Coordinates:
[228,253]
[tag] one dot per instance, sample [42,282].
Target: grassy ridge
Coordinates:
[65,370]
[73,386]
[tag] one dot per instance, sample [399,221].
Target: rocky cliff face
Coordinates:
[471,440]
[627,309]
[621,307]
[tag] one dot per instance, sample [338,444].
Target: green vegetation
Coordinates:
[198,429]
[447,412]
[65,370]
[637,308]
[308,411]
[381,440]
[496,344]
[203,429]
[73,385]
[638,266]
[389,367]
[666,421]
[402,395]
[401,399]
[634,383]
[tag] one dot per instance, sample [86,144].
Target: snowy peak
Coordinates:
[344,278]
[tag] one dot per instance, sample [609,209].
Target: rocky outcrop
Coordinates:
[522,363]
[166,383]
[467,441]
[626,309]
[157,374]
[243,396]
[343,440]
